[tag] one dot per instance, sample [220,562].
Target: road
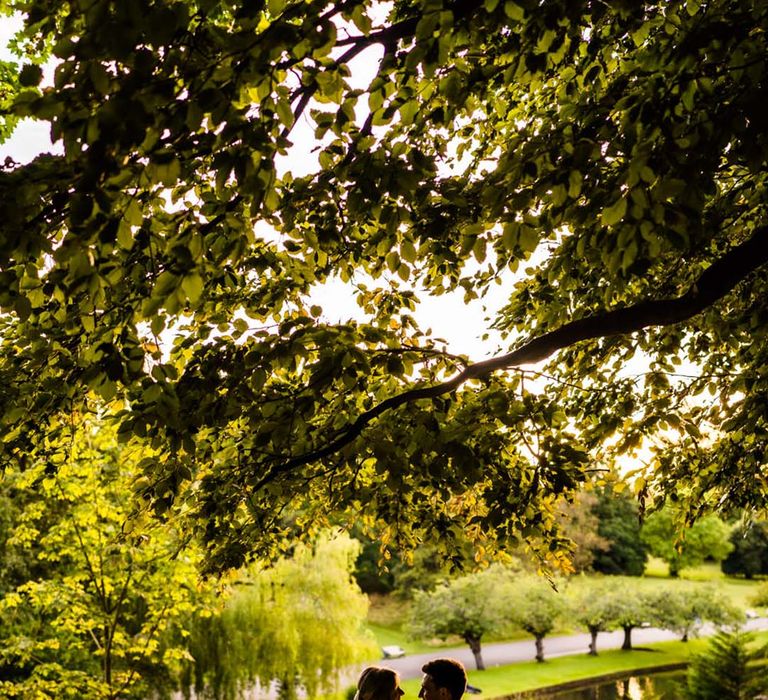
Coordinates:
[510,652]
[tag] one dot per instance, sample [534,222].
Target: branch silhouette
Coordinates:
[712,285]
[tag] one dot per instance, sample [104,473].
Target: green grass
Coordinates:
[386,636]
[503,680]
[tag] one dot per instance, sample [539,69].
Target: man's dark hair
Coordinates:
[449,674]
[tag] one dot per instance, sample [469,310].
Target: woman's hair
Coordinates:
[376,683]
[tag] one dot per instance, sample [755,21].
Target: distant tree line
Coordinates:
[749,557]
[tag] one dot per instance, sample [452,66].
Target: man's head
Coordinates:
[444,679]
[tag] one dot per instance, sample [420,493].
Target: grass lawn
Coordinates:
[503,680]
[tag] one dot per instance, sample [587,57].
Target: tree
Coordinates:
[728,670]
[684,610]
[580,524]
[630,608]
[101,616]
[595,608]
[749,556]
[301,621]
[537,607]
[708,538]
[469,606]
[619,524]
[609,179]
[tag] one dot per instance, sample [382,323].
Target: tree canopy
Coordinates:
[96,603]
[619,523]
[708,538]
[470,607]
[749,556]
[599,164]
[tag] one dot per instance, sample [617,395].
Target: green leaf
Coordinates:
[193,286]
[615,213]
[124,235]
[514,11]
[510,233]
[99,77]
[408,251]
[528,239]
[284,112]
[22,307]
[30,75]
[574,184]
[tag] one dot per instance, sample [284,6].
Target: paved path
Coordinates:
[510,652]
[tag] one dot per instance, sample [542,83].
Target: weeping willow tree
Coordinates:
[299,623]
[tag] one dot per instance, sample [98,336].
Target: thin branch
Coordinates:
[389,36]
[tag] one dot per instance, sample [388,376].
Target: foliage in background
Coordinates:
[749,556]
[97,606]
[596,608]
[619,524]
[707,538]
[536,607]
[300,622]
[631,607]
[580,523]
[372,573]
[729,669]
[760,596]
[685,610]
[100,602]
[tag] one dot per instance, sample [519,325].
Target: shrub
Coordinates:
[760,596]
[728,669]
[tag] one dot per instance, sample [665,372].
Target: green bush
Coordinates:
[760,596]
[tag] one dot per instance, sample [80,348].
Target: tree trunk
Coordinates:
[674,569]
[474,645]
[593,641]
[685,636]
[287,689]
[627,646]
[540,649]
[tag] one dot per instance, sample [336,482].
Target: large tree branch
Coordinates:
[713,284]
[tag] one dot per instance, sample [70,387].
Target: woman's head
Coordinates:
[378,683]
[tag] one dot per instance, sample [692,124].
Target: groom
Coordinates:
[444,679]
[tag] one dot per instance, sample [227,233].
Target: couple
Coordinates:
[444,679]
